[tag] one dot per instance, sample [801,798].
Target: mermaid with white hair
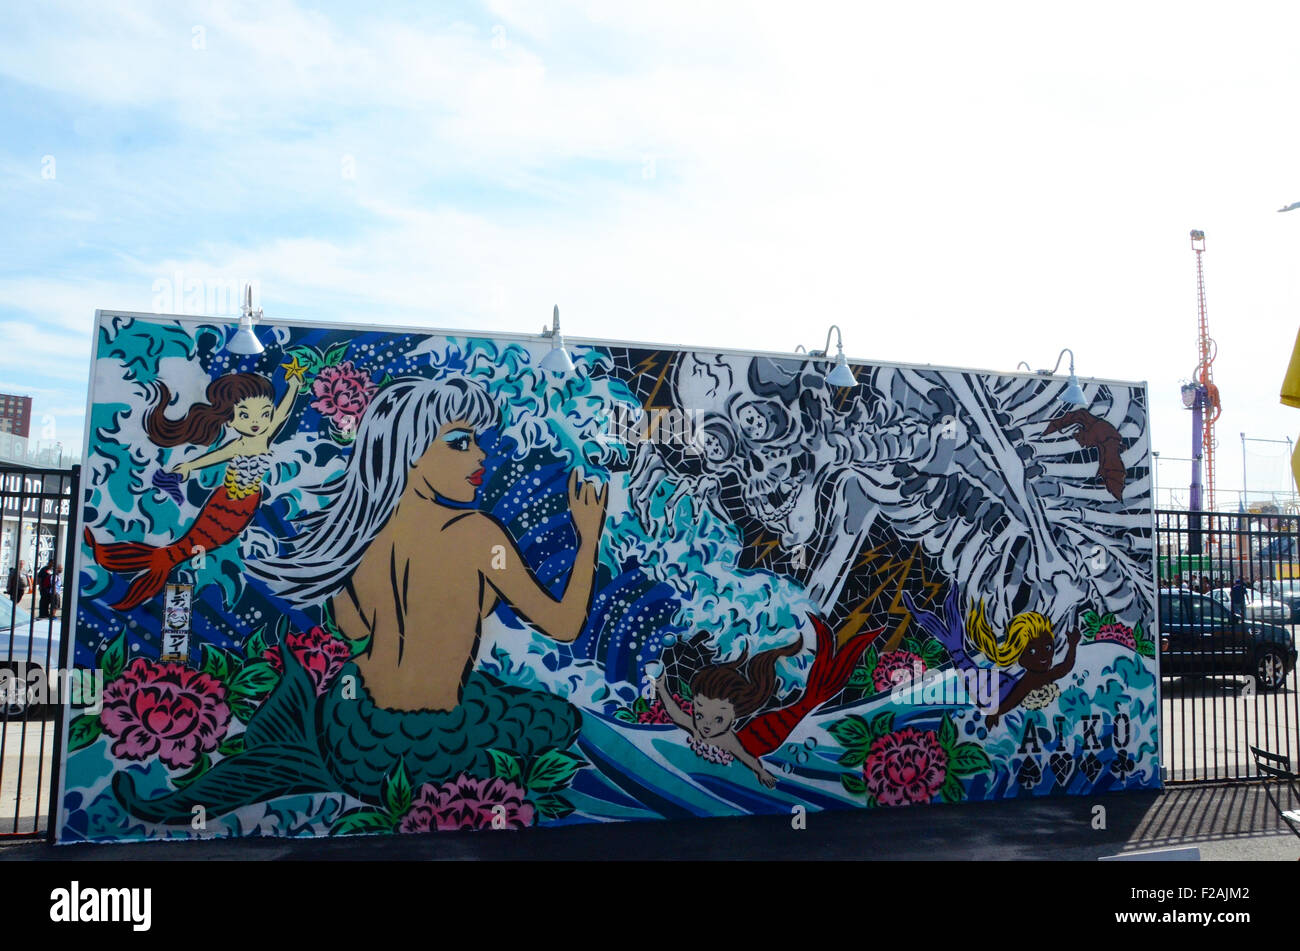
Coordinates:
[411,572]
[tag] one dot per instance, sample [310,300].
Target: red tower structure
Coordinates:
[1203,377]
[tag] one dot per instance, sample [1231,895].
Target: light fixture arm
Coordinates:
[839,342]
[246,313]
[1059,358]
[554,329]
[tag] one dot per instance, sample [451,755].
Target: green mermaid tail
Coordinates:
[299,743]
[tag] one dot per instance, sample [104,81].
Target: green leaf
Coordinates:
[553,770]
[851,732]
[242,708]
[933,653]
[83,731]
[882,725]
[967,759]
[952,790]
[506,765]
[1146,649]
[641,705]
[855,756]
[860,677]
[213,661]
[363,821]
[201,767]
[334,355]
[255,680]
[947,733]
[397,790]
[854,783]
[385,379]
[684,690]
[626,715]
[552,806]
[1091,622]
[1108,618]
[871,658]
[305,355]
[232,746]
[256,644]
[113,661]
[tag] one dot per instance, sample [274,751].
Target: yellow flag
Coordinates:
[1291,397]
[1291,382]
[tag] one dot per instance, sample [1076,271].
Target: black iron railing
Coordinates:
[37,538]
[1229,608]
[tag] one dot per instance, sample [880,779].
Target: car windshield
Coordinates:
[11,614]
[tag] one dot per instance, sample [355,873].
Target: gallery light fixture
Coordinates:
[245,342]
[1073,395]
[840,374]
[558,360]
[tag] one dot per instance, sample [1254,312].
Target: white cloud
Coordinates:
[954,184]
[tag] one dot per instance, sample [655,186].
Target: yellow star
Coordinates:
[293,369]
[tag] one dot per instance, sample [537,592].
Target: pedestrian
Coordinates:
[20,581]
[1239,598]
[49,582]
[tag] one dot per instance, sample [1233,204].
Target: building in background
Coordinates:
[15,415]
[33,506]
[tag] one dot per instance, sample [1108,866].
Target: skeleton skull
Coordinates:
[770,435]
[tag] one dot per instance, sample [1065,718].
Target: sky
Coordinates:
[951,183]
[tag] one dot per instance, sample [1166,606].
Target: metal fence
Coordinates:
[1227,658]
[1228,670]
[37,538]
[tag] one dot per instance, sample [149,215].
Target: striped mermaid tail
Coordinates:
[830,672]
[223,518]
[949,629]
[298,742]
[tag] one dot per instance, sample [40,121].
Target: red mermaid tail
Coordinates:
[222,519]
[829,673]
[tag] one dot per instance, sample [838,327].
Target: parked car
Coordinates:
[26,644]
[1288,592]
[1259,607]
[1201,637]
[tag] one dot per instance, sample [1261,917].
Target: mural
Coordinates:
[374,581]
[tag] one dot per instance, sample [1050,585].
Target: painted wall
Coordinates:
[382,581]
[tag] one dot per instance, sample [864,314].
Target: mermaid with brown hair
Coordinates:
[243,402]
[723,697]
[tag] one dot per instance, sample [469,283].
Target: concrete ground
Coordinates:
[1233,822]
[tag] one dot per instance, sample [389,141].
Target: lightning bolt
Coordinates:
[890,572]
[647,366]
[763,547]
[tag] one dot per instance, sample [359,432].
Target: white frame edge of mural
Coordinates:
[75,512]
[570,339]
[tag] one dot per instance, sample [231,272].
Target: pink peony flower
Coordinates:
[884,677]
[1118,633]
[468,803]
[657,713]
[272,656]
[165,709]
[321,654]
[906,767]
[342,393]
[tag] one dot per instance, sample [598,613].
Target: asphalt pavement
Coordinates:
[1227,822]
